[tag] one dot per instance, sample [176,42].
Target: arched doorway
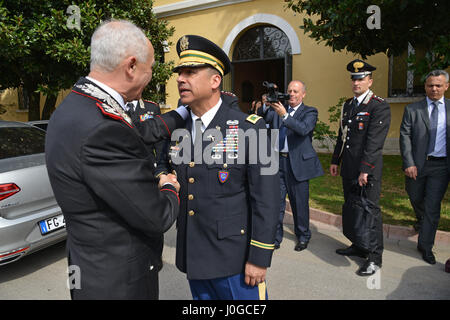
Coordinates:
[262,53]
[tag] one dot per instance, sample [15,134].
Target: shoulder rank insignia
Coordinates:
[149,101]
[227,93]
[253,118]
[378,98]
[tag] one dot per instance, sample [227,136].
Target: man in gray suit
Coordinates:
[425,149]
[298,161]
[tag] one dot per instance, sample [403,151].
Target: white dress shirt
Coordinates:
[361,97]
[206,118]
[288,114]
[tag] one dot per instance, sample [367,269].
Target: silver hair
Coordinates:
[115,40]
[437,73]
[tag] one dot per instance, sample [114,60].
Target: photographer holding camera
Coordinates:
[298,160]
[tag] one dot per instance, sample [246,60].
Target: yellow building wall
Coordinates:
[164,2]
[323,70]
[9,105]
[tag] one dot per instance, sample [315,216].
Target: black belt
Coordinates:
[431,158]
[284,154]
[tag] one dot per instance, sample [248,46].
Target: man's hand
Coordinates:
[256,105]
[411,172]
[170,178]
[254,274]
[279,108]
[334,171]
[362,179]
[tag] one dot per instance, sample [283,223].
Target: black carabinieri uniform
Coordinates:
[359,149]
[362,146]
[99,171]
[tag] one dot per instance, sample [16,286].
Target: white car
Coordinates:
[30,218]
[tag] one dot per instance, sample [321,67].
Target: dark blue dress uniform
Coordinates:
[363,130]
[99,171]
[225,221]
[229,208]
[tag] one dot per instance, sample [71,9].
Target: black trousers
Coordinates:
[373,190]
[426,194]
[298,192]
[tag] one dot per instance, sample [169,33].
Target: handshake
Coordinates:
[169,179]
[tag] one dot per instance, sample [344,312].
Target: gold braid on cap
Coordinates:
[195,57]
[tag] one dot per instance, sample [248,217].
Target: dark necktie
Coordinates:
[283,131]
[130,110]
[198,143]
[433,126]
[353,105]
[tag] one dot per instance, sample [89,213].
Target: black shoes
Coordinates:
[351,251]
[369,268]
[301,245]
[427,255]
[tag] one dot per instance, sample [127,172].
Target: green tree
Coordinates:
[44,50]
[343,25]
[323,132]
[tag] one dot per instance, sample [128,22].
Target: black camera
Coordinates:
[273,95]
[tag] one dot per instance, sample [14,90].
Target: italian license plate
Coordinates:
[52,224]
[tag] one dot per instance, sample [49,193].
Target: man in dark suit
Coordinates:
[365,121]
[228,213]
[98,167]
[425,149]
[298,160]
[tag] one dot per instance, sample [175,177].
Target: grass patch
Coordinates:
[326,194]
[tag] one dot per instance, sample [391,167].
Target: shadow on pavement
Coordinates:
[321,245]
[412,284]
[33,262]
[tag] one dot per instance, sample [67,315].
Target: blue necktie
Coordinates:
[433,127]
[283,131]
